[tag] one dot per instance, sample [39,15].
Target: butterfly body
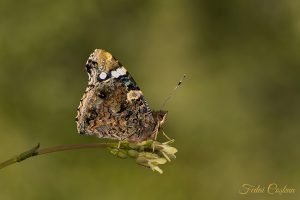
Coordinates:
[113,106]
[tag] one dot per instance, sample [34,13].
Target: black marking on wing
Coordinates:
[89,65]
[129,82]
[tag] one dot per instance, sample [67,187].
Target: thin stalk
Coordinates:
[35,151]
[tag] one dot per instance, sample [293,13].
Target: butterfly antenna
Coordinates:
[172,92]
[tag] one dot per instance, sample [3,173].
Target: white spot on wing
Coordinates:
[103,75]
[133,94]
[121,71]
[115,74]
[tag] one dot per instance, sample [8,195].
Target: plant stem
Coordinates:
[35,151]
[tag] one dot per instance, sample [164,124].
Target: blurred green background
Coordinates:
[236,119]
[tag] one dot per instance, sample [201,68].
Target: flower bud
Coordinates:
[151,160]
[133,153]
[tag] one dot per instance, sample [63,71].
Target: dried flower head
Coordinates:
[148,153]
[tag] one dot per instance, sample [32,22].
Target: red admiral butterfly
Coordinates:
[113,106]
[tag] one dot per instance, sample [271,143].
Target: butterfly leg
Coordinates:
[168,138]
[119,144]
[153,143]
[155,136]
[166,135]
[153,147]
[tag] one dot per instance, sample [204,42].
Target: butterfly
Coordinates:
[113,106]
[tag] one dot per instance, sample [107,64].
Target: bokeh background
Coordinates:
[236,118]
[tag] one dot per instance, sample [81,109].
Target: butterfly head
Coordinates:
[160,117]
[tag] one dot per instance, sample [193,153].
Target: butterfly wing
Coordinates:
[113,106]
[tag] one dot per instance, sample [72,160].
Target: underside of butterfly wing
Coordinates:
[113,106]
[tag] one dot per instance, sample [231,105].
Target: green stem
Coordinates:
[35,151]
